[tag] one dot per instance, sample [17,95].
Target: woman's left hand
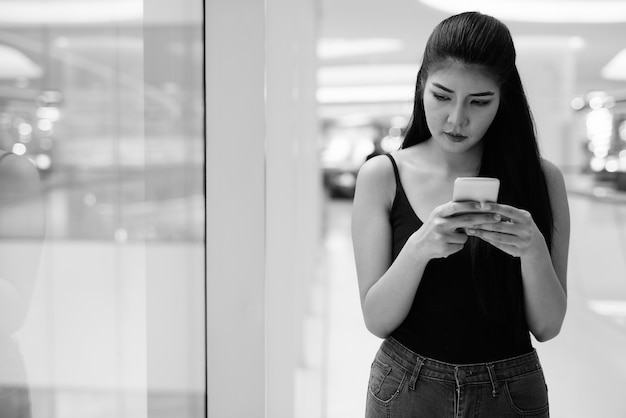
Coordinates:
[516,236]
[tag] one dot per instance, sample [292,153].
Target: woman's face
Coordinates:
[460,102]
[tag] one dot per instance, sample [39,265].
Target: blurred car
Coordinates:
[343,156]
[340,182]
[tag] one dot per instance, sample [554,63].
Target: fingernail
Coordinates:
[486,206]
[470,231]
[496,217]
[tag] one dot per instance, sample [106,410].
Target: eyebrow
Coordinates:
[484,93]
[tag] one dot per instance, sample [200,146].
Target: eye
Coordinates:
[481,103]
[440,97]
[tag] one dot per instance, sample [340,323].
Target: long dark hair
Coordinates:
[510,150]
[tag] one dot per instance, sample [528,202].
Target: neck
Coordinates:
[466,164]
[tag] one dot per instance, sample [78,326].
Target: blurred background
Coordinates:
[197,162]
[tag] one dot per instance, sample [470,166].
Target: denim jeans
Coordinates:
[404,384]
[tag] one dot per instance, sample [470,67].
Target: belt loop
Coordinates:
[416,372]
[494,381]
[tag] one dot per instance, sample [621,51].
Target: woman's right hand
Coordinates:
[443,233]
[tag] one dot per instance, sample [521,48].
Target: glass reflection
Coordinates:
[101,209]
[21,217]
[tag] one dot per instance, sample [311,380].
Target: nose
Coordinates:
[458,116]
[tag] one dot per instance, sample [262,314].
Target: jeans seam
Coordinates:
[394,396]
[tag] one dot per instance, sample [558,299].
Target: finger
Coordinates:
[494,237]
[502,227]
[473,219]
[457,238]
[455,208]
[506,211]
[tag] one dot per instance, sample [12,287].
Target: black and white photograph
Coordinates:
[312,208]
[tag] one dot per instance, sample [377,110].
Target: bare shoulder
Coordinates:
[376,179]
[554,177]
[377,167]
[551,169]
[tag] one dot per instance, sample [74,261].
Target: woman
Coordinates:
[454,294]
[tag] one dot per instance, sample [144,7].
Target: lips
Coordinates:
[455,137]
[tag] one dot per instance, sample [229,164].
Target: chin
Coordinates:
[461,146]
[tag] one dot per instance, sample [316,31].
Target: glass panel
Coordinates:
[102,209]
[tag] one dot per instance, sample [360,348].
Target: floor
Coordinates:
[585,366]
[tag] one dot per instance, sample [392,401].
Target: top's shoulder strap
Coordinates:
[395,169]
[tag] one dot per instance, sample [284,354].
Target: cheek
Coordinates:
[432,112]
[485,121]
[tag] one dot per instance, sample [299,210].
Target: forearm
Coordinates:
[545,298]
[389,300]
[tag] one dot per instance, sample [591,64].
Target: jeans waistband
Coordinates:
[460,373]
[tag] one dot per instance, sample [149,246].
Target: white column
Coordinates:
[263,201]
[235,187]
[292,196]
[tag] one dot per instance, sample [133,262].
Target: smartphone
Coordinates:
[478,189]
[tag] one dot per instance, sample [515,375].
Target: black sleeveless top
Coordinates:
[445,321]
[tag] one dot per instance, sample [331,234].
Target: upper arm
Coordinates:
[560,213]
[371,231]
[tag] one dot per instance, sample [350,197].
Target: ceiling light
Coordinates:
[544,11]
[616,68]
[337,47]
[69,12]
[359,75]
[538,43]
[608,307]
[17,65]
[365,94]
